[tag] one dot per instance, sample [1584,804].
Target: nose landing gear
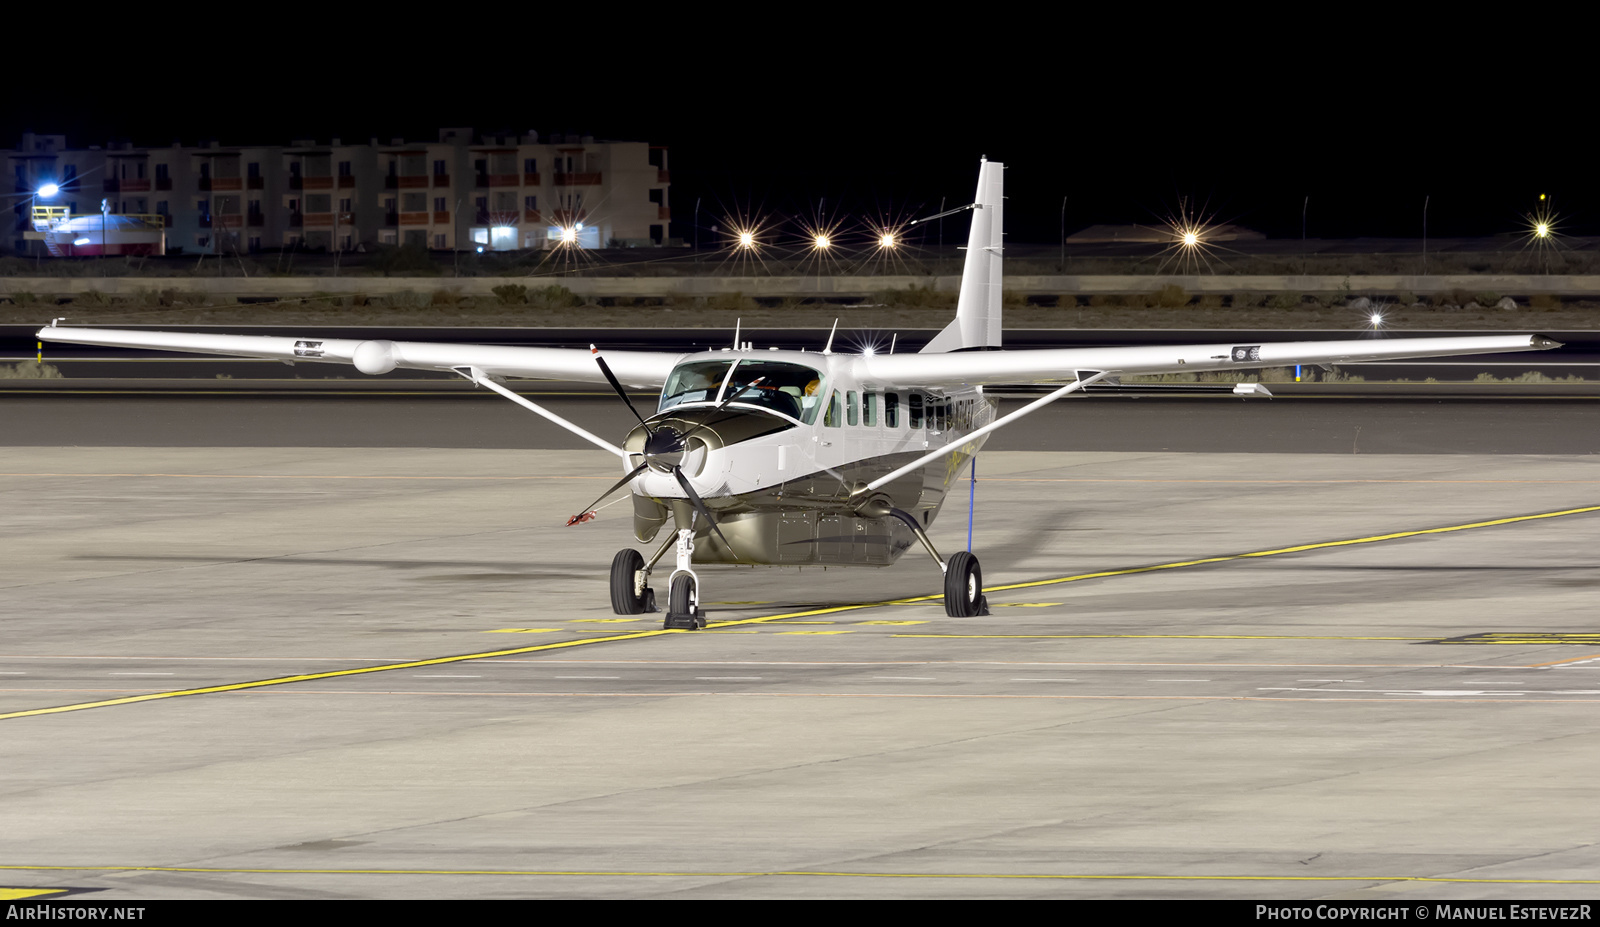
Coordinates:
[632,595]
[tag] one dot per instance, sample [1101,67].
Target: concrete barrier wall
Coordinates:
[805,287]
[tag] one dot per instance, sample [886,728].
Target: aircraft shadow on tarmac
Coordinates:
[508,569]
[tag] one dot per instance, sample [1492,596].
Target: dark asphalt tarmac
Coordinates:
[1197,424]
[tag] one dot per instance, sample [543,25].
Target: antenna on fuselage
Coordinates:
[892,339]
[828,348]
[736,323]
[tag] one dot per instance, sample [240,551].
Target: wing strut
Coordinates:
[479,378]
[1033,406]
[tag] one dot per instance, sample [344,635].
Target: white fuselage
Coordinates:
[806,454]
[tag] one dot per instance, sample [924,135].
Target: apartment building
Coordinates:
[465,191]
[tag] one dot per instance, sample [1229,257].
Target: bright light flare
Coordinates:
[569,235]
[1377,319]
[747,239]
[1541,229]
[49,190]
[886,240]
[1189,246]
[821,242]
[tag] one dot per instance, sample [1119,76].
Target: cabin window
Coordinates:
[916,411]
[891,409]
[851,416]
[832,418]
[869,409]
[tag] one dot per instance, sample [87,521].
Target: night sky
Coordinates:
[1122,140]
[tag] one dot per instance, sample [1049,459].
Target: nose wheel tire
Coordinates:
[683,605]
[963,587]
[624,601]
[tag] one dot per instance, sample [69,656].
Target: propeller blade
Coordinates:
[589,510]
[699,504]
[612,379]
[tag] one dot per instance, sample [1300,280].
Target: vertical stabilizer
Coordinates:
[977,321]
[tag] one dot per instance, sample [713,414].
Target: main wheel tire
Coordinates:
[624,566]
[681,599]
[963,586]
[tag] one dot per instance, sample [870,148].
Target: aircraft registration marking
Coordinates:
[827,610]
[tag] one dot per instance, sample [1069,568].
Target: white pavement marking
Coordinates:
[728,678]
[138,674]
[910,678]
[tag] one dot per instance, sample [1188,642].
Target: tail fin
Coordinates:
[977,321]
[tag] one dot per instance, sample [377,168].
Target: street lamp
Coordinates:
[49,190]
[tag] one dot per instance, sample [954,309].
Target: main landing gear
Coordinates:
[632,595]
[963,587]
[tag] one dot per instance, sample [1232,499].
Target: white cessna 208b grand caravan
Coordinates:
[792,458]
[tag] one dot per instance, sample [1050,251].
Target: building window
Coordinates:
[253,169]
[346,204]
[161,172]
[657,196]
[439,204]
[439,169]
[387,236]
[319,202]
[344,168]
[438,241]
[530,165]
[254,207]
[530,203]
[161,207]
[255,243]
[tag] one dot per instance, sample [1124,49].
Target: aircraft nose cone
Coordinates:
[664,449]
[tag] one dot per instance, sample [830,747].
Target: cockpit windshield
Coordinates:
[698,382]
[791,389]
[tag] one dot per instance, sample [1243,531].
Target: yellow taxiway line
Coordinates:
[828,610]
[805,873]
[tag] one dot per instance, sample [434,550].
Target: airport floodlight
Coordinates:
[821,242]
[1542,229]
[887,241]
[1190,239]
[747,240]
[569,235]
[1377,319]
[49,190]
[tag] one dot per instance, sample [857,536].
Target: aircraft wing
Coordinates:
[635,368]
[964,368]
